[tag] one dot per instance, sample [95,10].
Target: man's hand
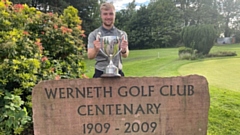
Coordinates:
[92,52]
[124,47]
[124,44]
[97,45]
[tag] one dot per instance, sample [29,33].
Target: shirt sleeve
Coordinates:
[125,35]
[91,38]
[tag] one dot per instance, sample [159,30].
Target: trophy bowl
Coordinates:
[110,48]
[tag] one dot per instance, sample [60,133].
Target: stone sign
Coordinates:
[120,106]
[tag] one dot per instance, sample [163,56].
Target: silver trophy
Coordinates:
[110,47]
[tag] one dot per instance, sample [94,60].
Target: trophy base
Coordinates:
[110,75]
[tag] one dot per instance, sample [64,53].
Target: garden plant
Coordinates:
[34,46]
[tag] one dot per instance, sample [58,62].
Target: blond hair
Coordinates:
[107,6]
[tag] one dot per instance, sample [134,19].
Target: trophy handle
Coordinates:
[103,52]
[98,38]
[118,52]
[121,37]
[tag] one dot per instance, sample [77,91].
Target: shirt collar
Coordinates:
[106,30]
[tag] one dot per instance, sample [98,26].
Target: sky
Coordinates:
[121,4]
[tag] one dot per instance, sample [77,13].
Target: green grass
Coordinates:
[222,73]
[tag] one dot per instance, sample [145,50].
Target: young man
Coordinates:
[108,13]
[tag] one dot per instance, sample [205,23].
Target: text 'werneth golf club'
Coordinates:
[123,91]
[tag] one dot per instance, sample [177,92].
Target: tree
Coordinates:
[139,32]
[122,16]
[28,2]
[123,22]
[165,20]
[200,38]
[89,12]
[198,11]
[230,10]
[56,6]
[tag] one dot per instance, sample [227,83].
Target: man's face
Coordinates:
[108,17]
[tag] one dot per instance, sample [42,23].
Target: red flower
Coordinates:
[65,30]
[25,33]
[55,26]
[79,27]
[18,7]
[50,14]
[57,77]
[44,59]
[83,35]
[39,44]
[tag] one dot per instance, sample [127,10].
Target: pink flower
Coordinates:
[39,44]
[44,59]
[57,77]
[55,26]
[65,30]
[25,33]
[83,35]
[50,14]
[18,7]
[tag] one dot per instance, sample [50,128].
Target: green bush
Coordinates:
[14,117]
[200,38]
[186,53]
[34,46]
[185,50]
[222,54]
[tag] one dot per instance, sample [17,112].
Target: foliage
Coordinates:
[222,54]
[61,37]
[89,11]
[13,115]
[186,53]
[199,37]
[198,12]
[123,22]
[185,50]
[237,36]
[153,26]
[34,46]
[165,22]
[230,10]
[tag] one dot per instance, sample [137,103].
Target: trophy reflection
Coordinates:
[110,48]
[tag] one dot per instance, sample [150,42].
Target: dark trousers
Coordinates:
[98,73]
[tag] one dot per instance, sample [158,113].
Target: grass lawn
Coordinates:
[222,73]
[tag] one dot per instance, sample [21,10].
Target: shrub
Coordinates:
[186,53]
[222,54]
[34,46]
[199,37]
[185,50]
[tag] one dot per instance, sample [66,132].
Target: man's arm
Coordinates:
[93,46]
[92,53]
